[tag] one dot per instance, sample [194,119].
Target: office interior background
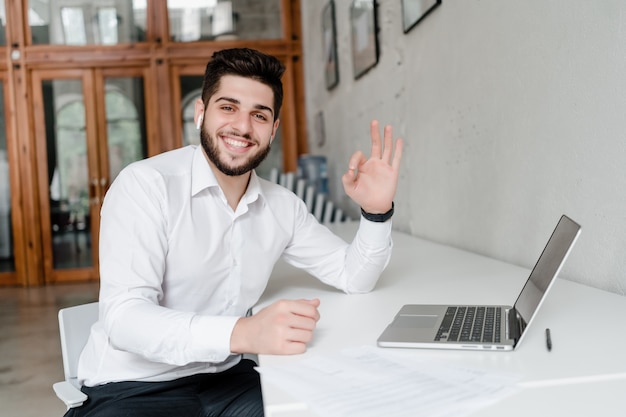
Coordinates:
[513,113]
[88,87]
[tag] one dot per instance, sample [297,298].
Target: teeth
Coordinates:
[236,143]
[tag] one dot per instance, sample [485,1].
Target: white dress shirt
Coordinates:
[179,267]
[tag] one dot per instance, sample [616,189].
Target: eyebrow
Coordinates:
[235,101]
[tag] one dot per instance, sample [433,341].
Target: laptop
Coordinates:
[483,327]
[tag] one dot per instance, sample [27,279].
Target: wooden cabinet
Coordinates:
[90,86]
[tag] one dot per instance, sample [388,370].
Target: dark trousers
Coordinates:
[235,392]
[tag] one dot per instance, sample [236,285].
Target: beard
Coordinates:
[213,153]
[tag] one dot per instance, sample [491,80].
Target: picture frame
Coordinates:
[364,30]
[320,129]
[414,11]
[329,45]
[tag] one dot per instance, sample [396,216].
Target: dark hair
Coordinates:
[244,62]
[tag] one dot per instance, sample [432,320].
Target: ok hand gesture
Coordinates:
[372,182]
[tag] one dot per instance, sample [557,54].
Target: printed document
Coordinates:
[370,382]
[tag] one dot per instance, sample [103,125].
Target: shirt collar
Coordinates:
[201,173]
[254,191]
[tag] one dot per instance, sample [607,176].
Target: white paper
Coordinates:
[372,382]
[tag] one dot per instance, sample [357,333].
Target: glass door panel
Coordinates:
[68,173]
[125,121]
[94,125]
[195,20]
[190,91]
[3,24]
[87,22]
[7,263]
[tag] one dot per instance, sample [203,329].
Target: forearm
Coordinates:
[367,257]
[164,335]
[354,267]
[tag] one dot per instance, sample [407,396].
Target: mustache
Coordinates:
[235,133]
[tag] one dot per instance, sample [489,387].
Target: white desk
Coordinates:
[583,377]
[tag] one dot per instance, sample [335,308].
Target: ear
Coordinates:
[274,130]
[199,113]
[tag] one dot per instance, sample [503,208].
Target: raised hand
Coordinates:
[282,328]
[372,182]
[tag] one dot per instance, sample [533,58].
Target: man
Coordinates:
[188,241]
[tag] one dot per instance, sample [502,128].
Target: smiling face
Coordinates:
[238,124]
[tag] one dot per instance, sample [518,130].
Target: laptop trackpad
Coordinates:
[415,322]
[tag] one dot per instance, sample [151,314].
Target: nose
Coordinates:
[242,123]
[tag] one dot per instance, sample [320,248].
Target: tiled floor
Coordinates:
[30,352]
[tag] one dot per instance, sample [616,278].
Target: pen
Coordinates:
[548,340]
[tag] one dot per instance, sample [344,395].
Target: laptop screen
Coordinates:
[547,267]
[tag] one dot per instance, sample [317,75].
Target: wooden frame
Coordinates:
[364,29]
[24,63]
[329,39]
[15,218]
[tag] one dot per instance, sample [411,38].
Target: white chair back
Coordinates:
[74,327]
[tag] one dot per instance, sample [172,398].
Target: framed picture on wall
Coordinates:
[329,34]
[364,26]
[414,11]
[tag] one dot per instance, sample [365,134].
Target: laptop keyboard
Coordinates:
[470,324]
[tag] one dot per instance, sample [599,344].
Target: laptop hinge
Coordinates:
[514,332]
[517,324]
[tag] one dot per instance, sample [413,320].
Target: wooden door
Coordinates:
[62,63]
[89,124]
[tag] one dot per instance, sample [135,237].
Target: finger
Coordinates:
[308,301]
[388,147]
[309,313]
[356,160]
[302,323]
[300,336]
[347,180]
[376,142]
[397,155]
[304,309]
[313,301]
[293,348]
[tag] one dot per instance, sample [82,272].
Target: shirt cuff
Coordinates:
[374,233]
[210,337]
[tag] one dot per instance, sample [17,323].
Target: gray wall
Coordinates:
[513,113]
